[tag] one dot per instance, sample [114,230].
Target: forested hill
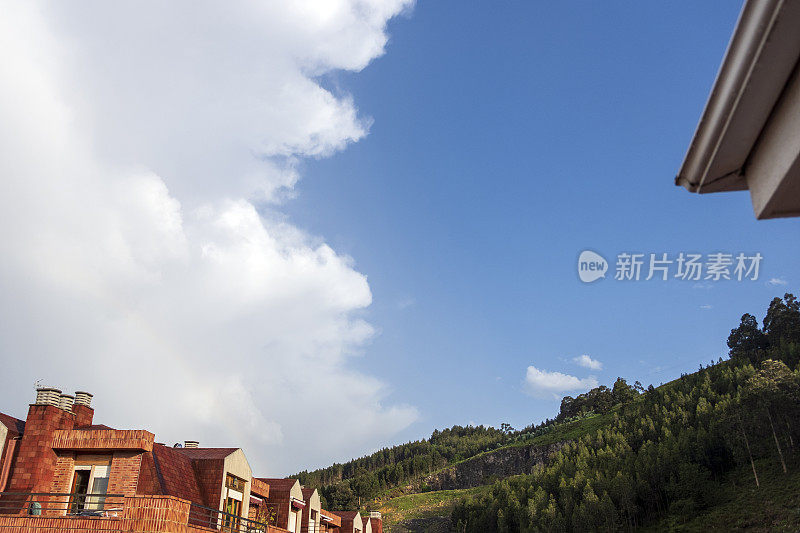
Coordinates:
[351,484]
[633,455]
[677,453]
[344,485]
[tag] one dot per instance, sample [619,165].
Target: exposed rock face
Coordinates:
[436,524]
[491,466]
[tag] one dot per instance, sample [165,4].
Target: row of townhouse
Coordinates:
[60,472]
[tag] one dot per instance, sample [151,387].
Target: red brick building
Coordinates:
[61,472]
[375,522]
[286,497]
[351,522]
[11,430]
[311,512]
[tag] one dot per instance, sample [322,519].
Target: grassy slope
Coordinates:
[422,505]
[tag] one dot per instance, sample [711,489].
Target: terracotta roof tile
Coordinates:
[175,474]
[279,483]
[94,427]
[197,454]
[15,426]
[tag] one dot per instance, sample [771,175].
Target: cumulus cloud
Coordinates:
[138,144]
[777,282]
[543,384]
[587,362]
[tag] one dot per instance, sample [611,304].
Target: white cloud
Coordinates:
[706,307]
[541,383]
[136,141]
[587,362]
[777,281]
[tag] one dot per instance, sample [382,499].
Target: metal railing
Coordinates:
[51,504]
[202,516]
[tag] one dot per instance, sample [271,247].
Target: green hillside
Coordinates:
[420,506]
[674,457]
[683,456]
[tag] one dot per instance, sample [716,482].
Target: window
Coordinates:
[235,483]
[98,485]
[80,486]
[232,507]
[88,489]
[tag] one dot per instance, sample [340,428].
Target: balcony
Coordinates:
[58,512]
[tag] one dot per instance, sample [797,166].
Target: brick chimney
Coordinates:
[84,414]
[35,464]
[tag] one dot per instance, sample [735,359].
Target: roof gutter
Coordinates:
[760,59]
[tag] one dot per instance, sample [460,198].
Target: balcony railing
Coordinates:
[51,504]
[222,521]
[47,510]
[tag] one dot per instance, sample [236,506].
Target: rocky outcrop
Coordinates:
[434,524]
[490,467]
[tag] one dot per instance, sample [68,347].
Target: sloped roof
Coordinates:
[15,426]
[335,519]
[279,486]
[94,427]
[307,492]
[199,454]
[176,476]
[347,515]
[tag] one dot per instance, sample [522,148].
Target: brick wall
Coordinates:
[36,461]
[62,475]
[83,415]
[102,439]
[123,477]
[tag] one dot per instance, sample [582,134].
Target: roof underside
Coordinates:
[754,80]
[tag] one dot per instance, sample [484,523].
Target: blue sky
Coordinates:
[508,137]
[285,212]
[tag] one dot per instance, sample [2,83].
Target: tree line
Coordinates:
[347,485]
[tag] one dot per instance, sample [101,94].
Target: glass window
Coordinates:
[79,489]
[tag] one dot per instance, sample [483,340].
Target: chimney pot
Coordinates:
[66,402]
[83,398]
[191,444]
[48,396]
